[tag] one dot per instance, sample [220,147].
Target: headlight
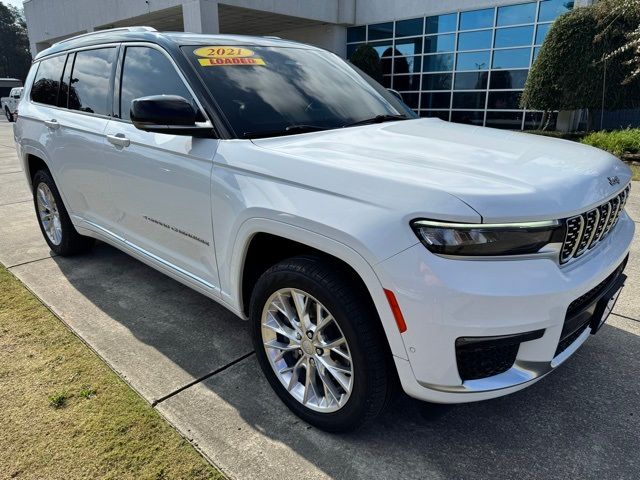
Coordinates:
[478,239]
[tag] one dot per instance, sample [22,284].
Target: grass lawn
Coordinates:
[65,414]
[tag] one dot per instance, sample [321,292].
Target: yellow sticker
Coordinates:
[220,62]
[223,52]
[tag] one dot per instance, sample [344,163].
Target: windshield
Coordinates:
[269,91]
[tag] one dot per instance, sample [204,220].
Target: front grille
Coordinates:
[584,231]
[569,339]
[586,299]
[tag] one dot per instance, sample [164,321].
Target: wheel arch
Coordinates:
[282,240]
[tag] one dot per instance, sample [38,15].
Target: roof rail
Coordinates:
[109,30]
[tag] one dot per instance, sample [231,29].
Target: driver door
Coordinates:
[159,184]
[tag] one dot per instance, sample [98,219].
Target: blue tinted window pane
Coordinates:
[551,9]
[386,65]
[409,46]
[469,118]
[473,61]
[437,63]
[514,36]
[516,14]
[469,100]
[506,120]
[384,49]
[476,19]
[412,99]
[406,64]
[440,43]
[356,34]
[542,33]
[475,40]
[536,52]
[436,81]
[471,81]
[436,100]
[504,100]
[441,24]
[508,79]
[406,82]
[380,30]
[409,28]
[513,58]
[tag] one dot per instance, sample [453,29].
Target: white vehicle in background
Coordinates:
[366,246]
[13,87]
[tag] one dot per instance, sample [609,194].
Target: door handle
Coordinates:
[119,140]
[52,124]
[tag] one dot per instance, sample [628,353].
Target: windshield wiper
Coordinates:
[289,130]
[376,119]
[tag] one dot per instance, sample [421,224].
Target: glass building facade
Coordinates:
[465,66]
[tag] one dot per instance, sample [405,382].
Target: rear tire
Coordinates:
[54,221]
[334,312]
[8,114]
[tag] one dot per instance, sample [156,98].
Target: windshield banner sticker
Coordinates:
[223,56]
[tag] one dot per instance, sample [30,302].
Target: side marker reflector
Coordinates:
[395,308]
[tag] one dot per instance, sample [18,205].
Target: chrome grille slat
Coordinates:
[585,231]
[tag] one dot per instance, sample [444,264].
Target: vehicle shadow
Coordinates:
[582,421]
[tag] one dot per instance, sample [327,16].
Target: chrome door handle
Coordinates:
[119,140]
[52,124]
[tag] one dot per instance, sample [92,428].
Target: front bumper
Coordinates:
[444,300]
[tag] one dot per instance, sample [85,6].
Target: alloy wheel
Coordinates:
[49,214]
[307,350]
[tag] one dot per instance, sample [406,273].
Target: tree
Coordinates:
[15,57]
[572,70]
[610,15]
[366,59]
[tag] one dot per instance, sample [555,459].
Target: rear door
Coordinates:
[159,184]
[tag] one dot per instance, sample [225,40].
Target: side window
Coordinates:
[90,78]
[63,96]
[146,72]
[47,81]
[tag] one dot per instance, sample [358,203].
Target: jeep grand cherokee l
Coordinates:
[366,246]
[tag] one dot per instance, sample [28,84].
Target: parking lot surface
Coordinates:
[193,360]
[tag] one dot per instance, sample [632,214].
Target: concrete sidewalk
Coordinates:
[193,361]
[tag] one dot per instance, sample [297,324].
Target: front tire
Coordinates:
[54,221]
[8,114]
[319,343]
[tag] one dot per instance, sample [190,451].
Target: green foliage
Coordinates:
[609,14]
[15,56]
[569,72]
[618,142]
[367,59]
[58,400]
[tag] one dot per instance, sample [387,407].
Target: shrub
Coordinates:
[618,142]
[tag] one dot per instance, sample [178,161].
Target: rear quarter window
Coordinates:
[47,81]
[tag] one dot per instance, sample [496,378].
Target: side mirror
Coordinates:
[170,114]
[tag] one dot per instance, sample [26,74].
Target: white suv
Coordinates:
[366,246]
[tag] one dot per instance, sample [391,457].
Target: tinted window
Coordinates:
[514,37]
[440,24]
[475,40]
[409,28]
[356,34]
[471,80]
[436,100]
[436,81]
[47,81]
[444,115]
[384,49]
[470,100]
[516,14]
[406,64]
[406,82]
[550,9]
[504,100]
[506,79]
[439,43]
[438,63]
[542,33]
[476,19]
[507,120]
[470,118]
[63,96]
[381,30]
[409,46]
[146,72]
[89,91]
[513,58]
[473,61]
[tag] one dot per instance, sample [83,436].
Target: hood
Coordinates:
[504,176]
